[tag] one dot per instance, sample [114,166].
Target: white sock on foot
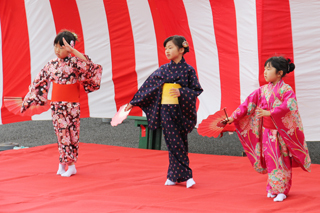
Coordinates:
[169,183]
[71,171]
[190,182]
[270,195]
[62,169]
[280,197]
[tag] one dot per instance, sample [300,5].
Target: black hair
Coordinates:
[178,41]
[67,35]
[280,63]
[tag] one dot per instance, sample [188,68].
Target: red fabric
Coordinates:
[268,123]
[67,92]
[66,16]
[159,32]
[274,34]
[143,131]
[124,74]
[15,42]
[118,179]
[225,27]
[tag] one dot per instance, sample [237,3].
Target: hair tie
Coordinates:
[185,44]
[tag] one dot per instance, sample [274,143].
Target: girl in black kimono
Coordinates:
[174,110]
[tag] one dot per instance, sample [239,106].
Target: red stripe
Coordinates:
[159,31]
[124,75]
[224,21]
[66,16]
[274,34]
[15,54]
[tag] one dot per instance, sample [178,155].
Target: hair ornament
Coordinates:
[72,43]
[185,44]
[75,35]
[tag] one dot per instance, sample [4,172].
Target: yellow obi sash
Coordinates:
[65,92]
[166,97]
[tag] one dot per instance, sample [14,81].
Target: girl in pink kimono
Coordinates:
[66,73]
[269,127]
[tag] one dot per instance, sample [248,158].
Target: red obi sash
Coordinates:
[268,123]
[65,92]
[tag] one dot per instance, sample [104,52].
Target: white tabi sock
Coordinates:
[270,195]
[169,183]
[190,182]
[62,169]
[280,197]
[71,171]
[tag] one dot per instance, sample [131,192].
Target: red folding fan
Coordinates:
[213,126]
[13,104]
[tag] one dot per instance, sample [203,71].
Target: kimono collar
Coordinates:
[64,59]
[279,84]
[180,62]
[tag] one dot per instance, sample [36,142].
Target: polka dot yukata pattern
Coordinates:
[176,120]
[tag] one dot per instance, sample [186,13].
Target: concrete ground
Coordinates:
[94,130]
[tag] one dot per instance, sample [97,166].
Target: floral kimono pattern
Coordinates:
[273,151]
[65,115]
[176,120]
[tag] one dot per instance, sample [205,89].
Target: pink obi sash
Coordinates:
[268,123]
[65,92]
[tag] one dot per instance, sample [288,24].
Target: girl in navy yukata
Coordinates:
[168,98]
[66,73]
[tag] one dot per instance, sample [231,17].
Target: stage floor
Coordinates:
[118,179]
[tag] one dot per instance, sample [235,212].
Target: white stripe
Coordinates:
[305,20]
[1,74]
[42,32]
[145,43]
[202,31]
[247,46]
[97,46]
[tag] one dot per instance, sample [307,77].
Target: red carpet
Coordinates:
[118,179]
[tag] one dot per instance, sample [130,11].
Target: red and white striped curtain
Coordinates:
[229,43]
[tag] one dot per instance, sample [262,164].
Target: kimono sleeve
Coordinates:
[38,90]
[248,107]
[194,88]
[148,98]
[89,73]
[286,117]
[150,91]
[188,99]
[248,128]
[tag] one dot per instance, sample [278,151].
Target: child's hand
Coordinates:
[66,46]
[262,112]
[228,120]
[128,107]
[174,92]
